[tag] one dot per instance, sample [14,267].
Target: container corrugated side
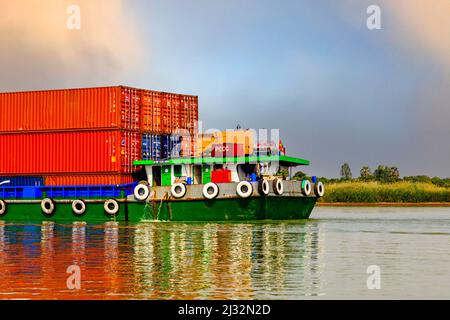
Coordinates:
[151,106]
[91,179]
[166,113]
[89,108]
[69,152]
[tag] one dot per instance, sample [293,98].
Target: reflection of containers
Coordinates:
[90,108]
[69,152]
[22,181]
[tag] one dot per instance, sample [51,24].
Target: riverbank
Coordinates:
[385,194]
[383,204]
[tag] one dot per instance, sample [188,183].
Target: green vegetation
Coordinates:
[372,192]
[384,184]
[346,173]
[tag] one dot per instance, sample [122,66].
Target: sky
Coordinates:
[337,91]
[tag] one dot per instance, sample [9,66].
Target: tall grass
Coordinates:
[372,192]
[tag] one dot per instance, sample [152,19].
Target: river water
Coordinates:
[340,253]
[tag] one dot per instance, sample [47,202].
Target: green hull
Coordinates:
[229,209]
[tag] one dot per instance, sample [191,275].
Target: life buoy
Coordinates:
[319,189]
[141,192]
[263,187]
[111,207]
[178,190]
[278,187]
[78,207]
[3,208]
[244,189]
[210,190]
[306,187]
[48,206]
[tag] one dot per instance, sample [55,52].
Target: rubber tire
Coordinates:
[247,193]
[111,212]
[278,187]
[141,197]
[75,211]
[3,208]
[213,195]
[48,212]
[319,189]
[263,187]
[174,192]
[306,187]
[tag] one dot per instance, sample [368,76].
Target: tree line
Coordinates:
[382,174]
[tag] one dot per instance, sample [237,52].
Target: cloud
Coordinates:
[425,25]
[39,51]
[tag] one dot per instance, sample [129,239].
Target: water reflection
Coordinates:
[161,260]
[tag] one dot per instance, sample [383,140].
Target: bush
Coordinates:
[371,192]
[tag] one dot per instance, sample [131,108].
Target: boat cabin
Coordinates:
[218,170]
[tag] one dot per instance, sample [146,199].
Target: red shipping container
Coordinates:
[166,113]
[151,111]
[107,107]
[69,152]
[221,176]
[90,179]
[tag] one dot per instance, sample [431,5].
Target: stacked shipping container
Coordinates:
[77,109]
[86,136]
[168,122]
[160,147]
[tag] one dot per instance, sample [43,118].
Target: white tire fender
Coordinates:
[319,189]
[111,207]
[178,190]
[306,187]
[48,206]
[141,192]
[278,187]
[78,207]
[210,190]
[244,189]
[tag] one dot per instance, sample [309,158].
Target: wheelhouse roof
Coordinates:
[284,161]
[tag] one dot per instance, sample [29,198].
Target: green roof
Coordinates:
[284,160]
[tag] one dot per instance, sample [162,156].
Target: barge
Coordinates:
[207,189]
